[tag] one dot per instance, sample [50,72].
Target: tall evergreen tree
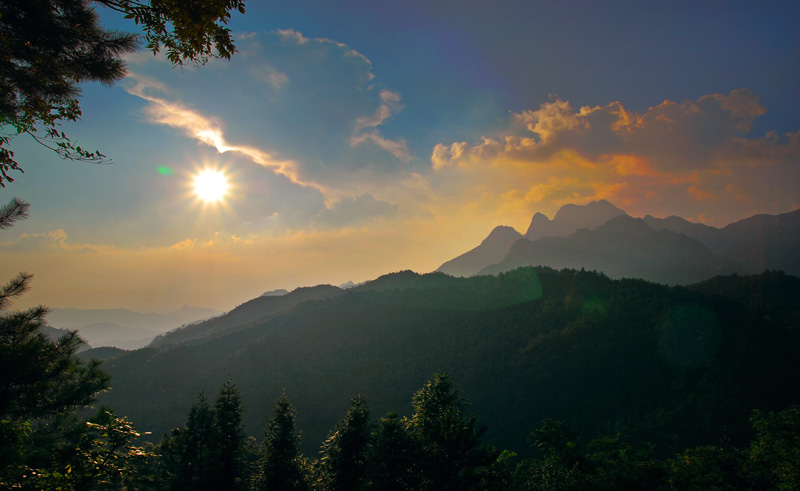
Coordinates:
[230,438]
[393,458]
[198,462]
[344,454]
[281,466]
[451,453]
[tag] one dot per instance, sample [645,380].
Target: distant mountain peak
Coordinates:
[501,233]
[572,211]
[570,218]
[625,223]
[275,293]
[490,251]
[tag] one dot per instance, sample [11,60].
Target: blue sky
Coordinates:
[365,137]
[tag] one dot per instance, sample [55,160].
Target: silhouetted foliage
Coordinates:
[775,452]
[607,463]
[12,212]
[438,447]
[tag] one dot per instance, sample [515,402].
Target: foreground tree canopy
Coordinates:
[44,443]
[439,447]
[48,47]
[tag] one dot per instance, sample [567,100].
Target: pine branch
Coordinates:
[14,211]
[14,288]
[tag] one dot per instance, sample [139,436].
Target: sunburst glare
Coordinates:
[211,185]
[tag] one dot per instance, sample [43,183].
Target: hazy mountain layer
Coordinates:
[600,236]
[121,327]
[492,250]
[623,247]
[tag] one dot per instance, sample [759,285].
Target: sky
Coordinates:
[364,137]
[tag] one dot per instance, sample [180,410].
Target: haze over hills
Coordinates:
[53,334]
[599,236]
[491,251]
[123,328]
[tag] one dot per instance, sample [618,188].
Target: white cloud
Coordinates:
[209,131]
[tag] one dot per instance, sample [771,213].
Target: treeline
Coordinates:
[439,447]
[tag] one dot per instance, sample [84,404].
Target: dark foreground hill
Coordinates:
[670,365]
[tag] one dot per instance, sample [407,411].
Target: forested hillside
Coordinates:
[669,365]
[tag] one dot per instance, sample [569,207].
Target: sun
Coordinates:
[211,185]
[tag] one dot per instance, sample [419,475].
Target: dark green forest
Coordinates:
[533,379]
[605,356]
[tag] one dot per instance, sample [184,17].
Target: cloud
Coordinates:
[221,270]
[353,211]
[290,35]
[390,103]
[207,130]
[693,157]
[672,135]
[398,148]
[268,105]
[268,73]
[49,241]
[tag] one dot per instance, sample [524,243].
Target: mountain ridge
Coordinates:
[570,218]
[576,239]
[247,312]
[492,249]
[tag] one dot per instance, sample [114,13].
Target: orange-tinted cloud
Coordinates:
[695,156]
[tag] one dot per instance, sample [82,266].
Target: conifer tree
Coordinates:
[393,457]
[344,454]
[281,466]
[198,459]
[451,453]
[230,438]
